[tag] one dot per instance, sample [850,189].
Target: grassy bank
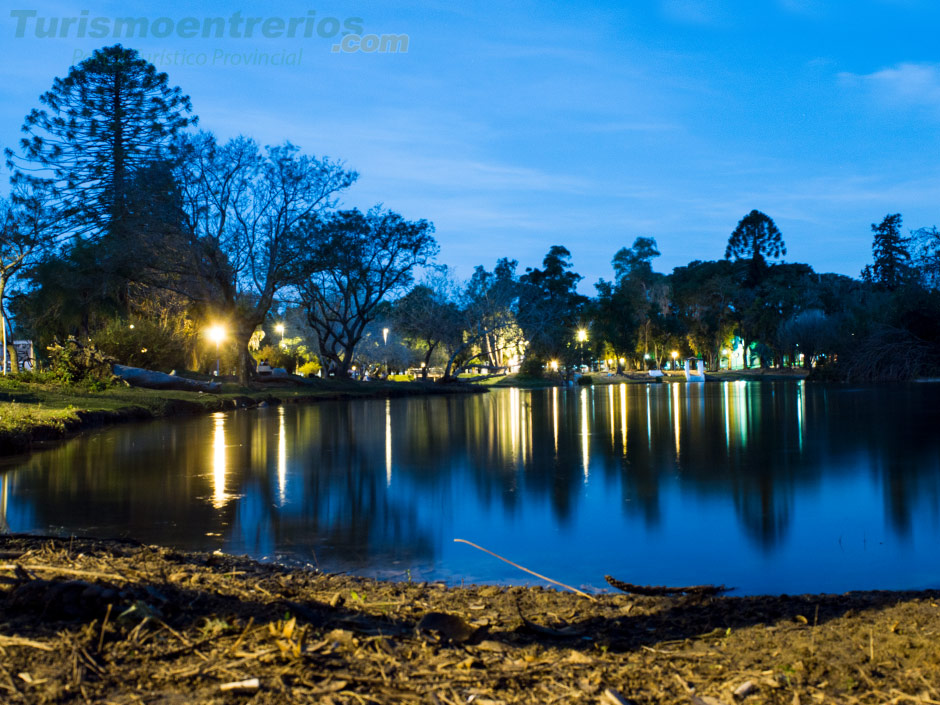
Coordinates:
[32,412]
[85,621]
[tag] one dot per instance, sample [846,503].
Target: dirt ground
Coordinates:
[84,621]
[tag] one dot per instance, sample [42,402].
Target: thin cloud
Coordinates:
[903,85]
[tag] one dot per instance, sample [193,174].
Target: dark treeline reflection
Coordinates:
[375,485]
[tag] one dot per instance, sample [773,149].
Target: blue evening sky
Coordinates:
[518,125]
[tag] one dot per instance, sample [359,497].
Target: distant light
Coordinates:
[554,365]
[132,326]
[675,354]
[726,352]
[623,361]
[143,350]
[217,333]
[582,335]
[646,356]
[279,328]
[385,336]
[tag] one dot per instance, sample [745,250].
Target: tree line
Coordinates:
[130,227]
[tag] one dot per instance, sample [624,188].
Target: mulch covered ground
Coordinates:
[84,621]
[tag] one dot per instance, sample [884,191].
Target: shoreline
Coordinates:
[85,620]
[35,414]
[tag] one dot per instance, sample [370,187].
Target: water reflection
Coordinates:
[219,498]
[800,487]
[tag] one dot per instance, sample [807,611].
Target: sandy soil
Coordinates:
[84,621]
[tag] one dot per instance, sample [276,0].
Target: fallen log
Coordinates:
[137,377]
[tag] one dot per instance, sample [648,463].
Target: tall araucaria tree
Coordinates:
[755,238]
[112,115]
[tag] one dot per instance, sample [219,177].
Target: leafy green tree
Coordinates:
[427,317]
[355,261]
[703,300]
[635,260]
[892,260]
[107,119]
[755,238]
[549,306]
[486,310]
[244,235]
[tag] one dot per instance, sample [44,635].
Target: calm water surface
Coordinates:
[769,487]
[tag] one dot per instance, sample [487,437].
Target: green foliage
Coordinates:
[108,117]
[147,343]
[71,362]
[892,260]
[532,367]
[755,238]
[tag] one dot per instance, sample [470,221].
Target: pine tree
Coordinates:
[110,117]
[892,265]
[755,238]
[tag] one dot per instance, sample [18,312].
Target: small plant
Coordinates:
[72,362]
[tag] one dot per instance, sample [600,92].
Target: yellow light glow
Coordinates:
[279,329]
[582,335]
[217,333]
[554,365]
[219,496]
[675,354]
[281,457]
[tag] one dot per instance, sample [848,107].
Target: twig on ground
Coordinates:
[531,572]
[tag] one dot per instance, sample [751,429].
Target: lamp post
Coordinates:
[279,329]
[385,343]
[727,354]
[675,354]
[582,336]
[217,335]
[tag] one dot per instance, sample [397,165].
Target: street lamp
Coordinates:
[582,336]
[385,343]
[727,354]
[279,329]
[675,354]
[217,334]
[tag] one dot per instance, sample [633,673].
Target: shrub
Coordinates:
[71,362]
[531,367]
[149,344]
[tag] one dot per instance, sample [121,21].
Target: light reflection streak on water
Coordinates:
[514,422]
[4,496]
[219,498]
[623,417]
[610,397]
[388,442]
[281,457]
[726,387]
[649,420]
[555,416]
[585,437]
[800,409]
[675,415]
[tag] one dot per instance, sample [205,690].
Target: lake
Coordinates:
[770,487]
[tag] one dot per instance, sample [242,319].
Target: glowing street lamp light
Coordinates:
[582,337]
[385,343]
[675,354]
[279,329]
[217,334]
[554,365]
